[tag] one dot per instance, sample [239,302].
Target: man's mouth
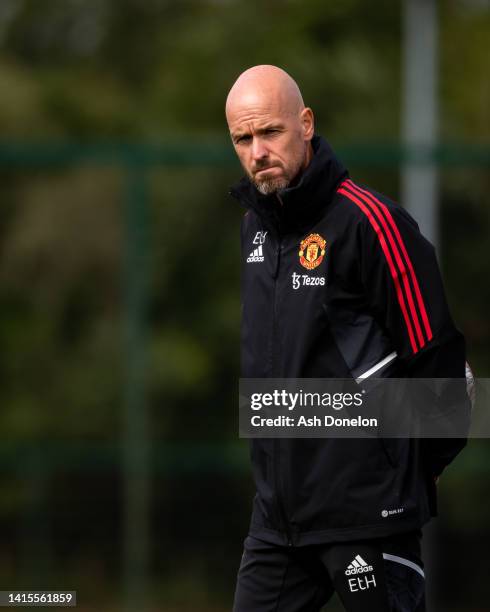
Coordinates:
[264,170]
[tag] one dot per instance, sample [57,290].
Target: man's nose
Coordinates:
[259,151]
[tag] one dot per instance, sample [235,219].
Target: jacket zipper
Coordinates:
[276,442]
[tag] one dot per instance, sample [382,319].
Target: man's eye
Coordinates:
[242,139]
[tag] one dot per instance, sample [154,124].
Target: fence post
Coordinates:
[420,113]
[420,175]
[136,445]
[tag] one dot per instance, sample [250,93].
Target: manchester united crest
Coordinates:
[312,251]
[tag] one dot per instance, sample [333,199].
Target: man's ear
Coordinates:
[307,123]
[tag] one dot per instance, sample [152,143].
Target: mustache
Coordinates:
[263,166]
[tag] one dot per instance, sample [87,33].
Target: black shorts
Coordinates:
[381,575]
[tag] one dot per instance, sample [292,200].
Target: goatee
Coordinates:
[271,186]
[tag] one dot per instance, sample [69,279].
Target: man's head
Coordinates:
[270,127]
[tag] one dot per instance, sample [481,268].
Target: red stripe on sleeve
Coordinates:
[391,266]
[401,266]
[418,293]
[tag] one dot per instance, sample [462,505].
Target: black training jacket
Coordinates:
[337,281]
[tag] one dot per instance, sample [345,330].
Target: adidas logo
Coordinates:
[256,255]
[358,566]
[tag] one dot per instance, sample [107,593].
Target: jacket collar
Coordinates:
[303,204]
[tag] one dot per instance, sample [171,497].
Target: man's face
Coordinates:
[270,141]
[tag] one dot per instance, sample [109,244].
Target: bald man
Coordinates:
[266,101]
[337,282]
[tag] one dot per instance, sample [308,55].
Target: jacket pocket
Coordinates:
[390,448]
[342,368]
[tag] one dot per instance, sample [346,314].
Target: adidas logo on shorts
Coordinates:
[358,566]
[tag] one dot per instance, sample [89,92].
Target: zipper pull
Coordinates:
[278,250]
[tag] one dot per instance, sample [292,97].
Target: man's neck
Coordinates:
[308,157]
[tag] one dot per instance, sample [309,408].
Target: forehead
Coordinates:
[257,108]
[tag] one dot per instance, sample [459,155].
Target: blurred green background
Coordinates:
[122,475]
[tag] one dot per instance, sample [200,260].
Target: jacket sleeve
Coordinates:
[405,293]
